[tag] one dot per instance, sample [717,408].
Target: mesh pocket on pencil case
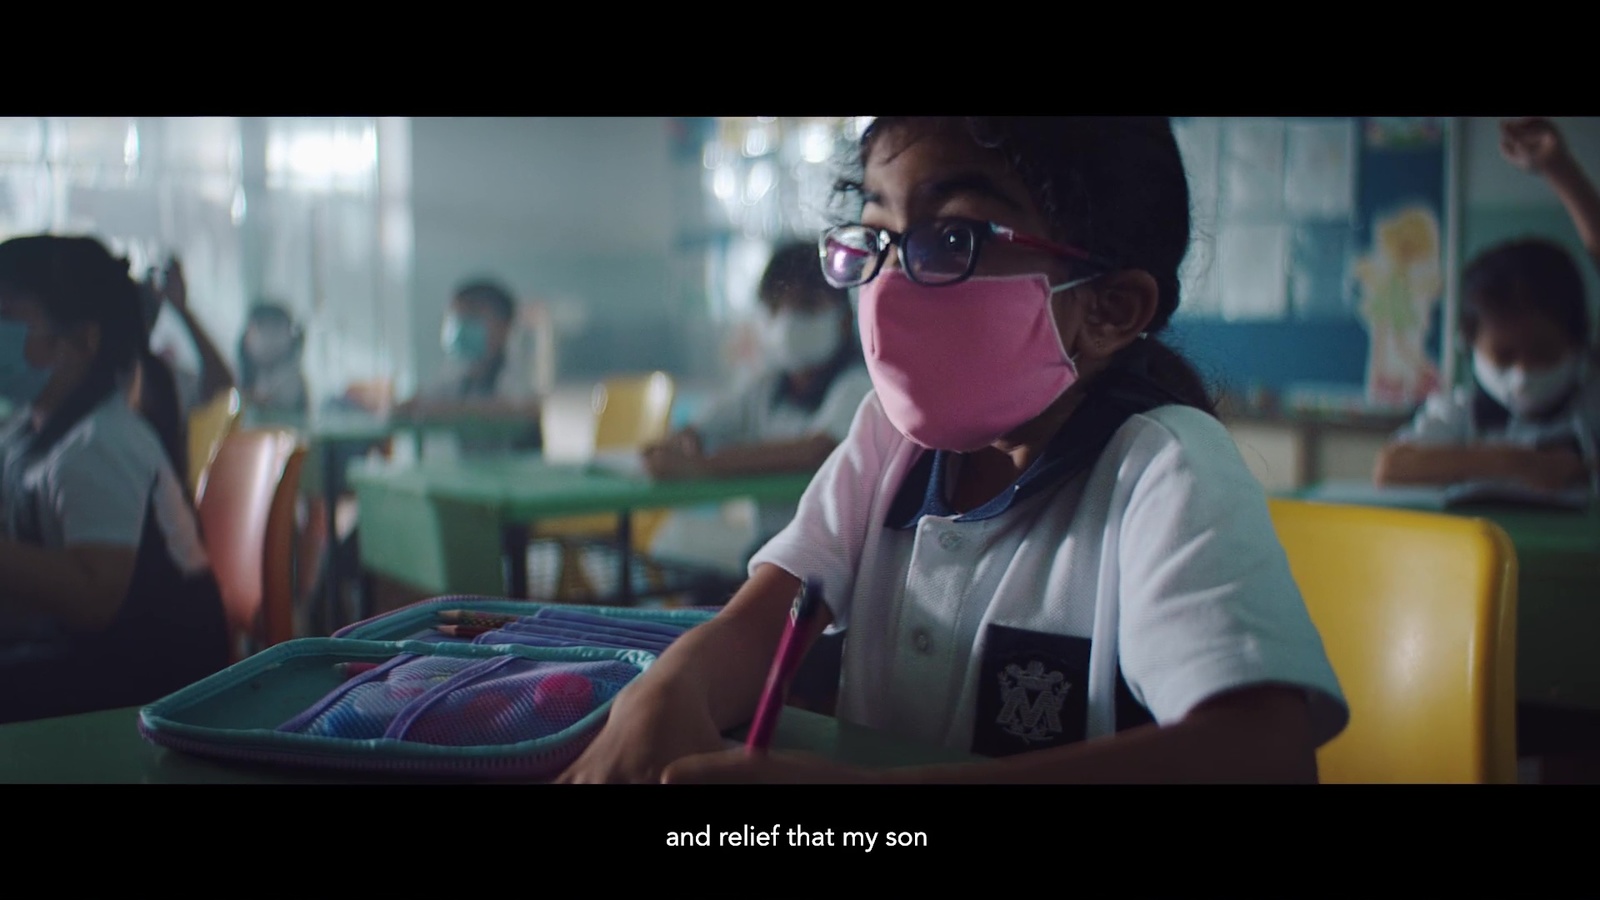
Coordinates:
[513,701]
[364,707]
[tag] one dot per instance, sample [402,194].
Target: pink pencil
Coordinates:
[791,649]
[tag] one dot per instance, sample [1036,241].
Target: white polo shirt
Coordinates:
[94,486]
[1004,634]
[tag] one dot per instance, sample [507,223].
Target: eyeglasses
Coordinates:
[936,253]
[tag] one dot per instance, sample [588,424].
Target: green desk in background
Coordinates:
[461,527]
[1558,588]
[106,748]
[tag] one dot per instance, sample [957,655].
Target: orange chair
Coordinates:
[247,514]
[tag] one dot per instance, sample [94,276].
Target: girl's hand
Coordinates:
[647,731]
[1532,144]
[740,767]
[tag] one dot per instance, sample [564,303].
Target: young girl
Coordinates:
[108,598]
[1532,411]
[1048,551]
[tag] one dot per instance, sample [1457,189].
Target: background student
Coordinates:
[486,374]
[1532,411]
[108,597]
[799,409]
[270,356]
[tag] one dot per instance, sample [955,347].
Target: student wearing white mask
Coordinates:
[800,408]
[270,376]
[1532,411]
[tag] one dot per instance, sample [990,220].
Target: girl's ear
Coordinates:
[1120,309]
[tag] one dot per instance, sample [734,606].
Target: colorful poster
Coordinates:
[1399,274]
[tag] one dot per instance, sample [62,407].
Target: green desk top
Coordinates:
[106,748]
[527,487]
[359,428]
[1536,531]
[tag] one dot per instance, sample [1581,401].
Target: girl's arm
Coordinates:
[1407,463]
[1535,145]
[1254,735]
[707,682]
[82,585]
[215,374]
[676,459]
[1578,195]
[724,663]
[802,455]
[1260,735]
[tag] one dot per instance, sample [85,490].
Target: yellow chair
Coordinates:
[208,425]
[1418,614]
[624,413]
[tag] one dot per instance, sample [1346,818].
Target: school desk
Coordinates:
[460,527]
[1558,589]
[106,748]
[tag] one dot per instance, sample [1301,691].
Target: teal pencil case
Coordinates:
[455,687]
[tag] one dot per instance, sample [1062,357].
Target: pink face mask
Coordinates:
[956,367]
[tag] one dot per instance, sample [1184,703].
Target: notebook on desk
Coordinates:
[1445,497]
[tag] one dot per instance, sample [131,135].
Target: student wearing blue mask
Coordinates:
[1532,411]
[482,376]
[108,599]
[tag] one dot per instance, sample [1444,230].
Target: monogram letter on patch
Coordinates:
[1032,692]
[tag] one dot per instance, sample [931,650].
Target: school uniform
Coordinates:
[106,481]
[1132,573]
[1468,415]
[767,410]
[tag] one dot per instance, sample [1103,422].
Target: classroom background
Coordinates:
[1319,300]
[640,239]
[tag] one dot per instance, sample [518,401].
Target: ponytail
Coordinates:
[1151,374]
[1177,377]
[160,406]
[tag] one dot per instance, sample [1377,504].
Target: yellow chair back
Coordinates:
[633,411]
[208,425]
[1418,614]
[623,413]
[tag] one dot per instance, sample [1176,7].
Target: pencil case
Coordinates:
[516,694]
